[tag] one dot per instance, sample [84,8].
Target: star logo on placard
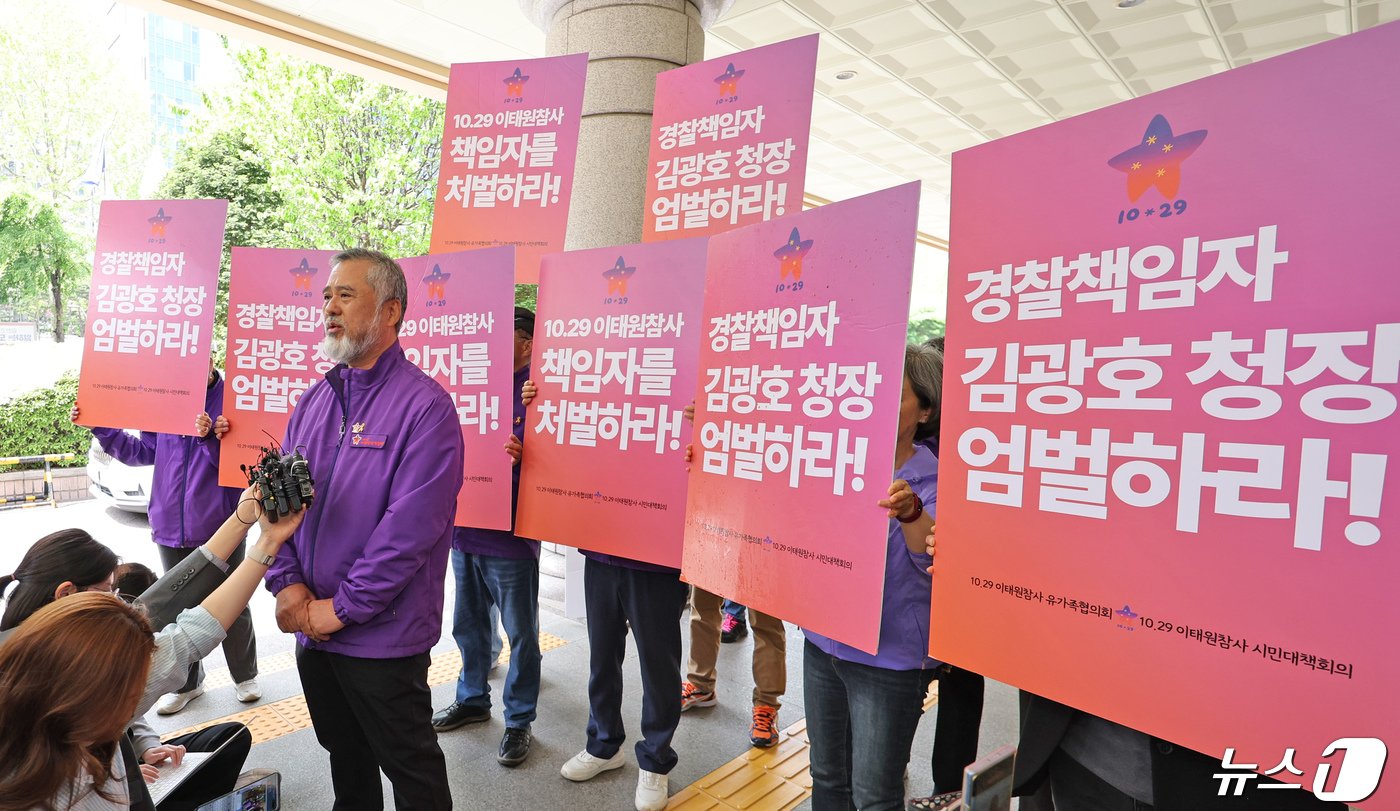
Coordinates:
[159,222]
[515,85]
[1156,161]
[598,496]
[301,275]
[1126,612]
[790,255]
[617,277]
[729,81]
[437,284]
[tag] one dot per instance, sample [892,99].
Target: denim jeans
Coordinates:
[514,586]
[496,644]
[860,724]
[733,609]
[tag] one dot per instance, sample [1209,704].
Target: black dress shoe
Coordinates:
[460,714]
[515,747]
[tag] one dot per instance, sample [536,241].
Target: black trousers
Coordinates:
[651,603]
[216,777]
[957,725]
[373,714]
[240,646]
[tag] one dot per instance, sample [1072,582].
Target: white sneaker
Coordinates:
[652,791]
[584,766]
[247,691]
[171,703]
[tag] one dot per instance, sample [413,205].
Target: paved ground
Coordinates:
[708,740]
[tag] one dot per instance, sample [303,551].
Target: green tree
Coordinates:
[73,128]
[38,257]
[37,422]
[225,166]
[355,162]
[922,330]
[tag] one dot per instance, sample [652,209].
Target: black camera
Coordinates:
[284,481]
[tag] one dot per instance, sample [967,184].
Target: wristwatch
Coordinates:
[265,560]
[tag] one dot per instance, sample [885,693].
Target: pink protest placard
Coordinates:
[508,151]
[801,371]
[151,313]
[275,327]
[729,141]
[616,341]
[460,330]
[1173,347]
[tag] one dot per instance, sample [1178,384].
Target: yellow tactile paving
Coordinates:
[275,719]
[773,779]
[265,721]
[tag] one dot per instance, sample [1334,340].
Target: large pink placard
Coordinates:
[275,327]
[508,151]
[1167,492]
[801,371]
[151,313]
[617,336]
[460,330]
[729,141]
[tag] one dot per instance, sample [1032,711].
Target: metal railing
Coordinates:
[47,495]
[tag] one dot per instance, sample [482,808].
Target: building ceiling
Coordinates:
[923,78]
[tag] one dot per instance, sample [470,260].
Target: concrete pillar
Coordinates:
[628,42]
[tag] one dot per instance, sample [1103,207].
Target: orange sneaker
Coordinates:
[764,733]
[692,696]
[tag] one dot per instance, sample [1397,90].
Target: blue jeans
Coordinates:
[513,585]
[860,724]
[733,609]
[496,643]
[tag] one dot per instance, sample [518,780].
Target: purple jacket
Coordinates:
[187,503]
[499,543]
[385,450]
[908,586]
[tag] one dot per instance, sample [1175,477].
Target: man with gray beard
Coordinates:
[362,581]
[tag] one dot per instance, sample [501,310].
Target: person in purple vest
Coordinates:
[497,567]
[187,506]
[362,582]
[863,709]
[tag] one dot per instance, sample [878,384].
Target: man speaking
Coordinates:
[361,583]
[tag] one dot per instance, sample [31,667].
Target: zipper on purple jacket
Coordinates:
[340,444]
